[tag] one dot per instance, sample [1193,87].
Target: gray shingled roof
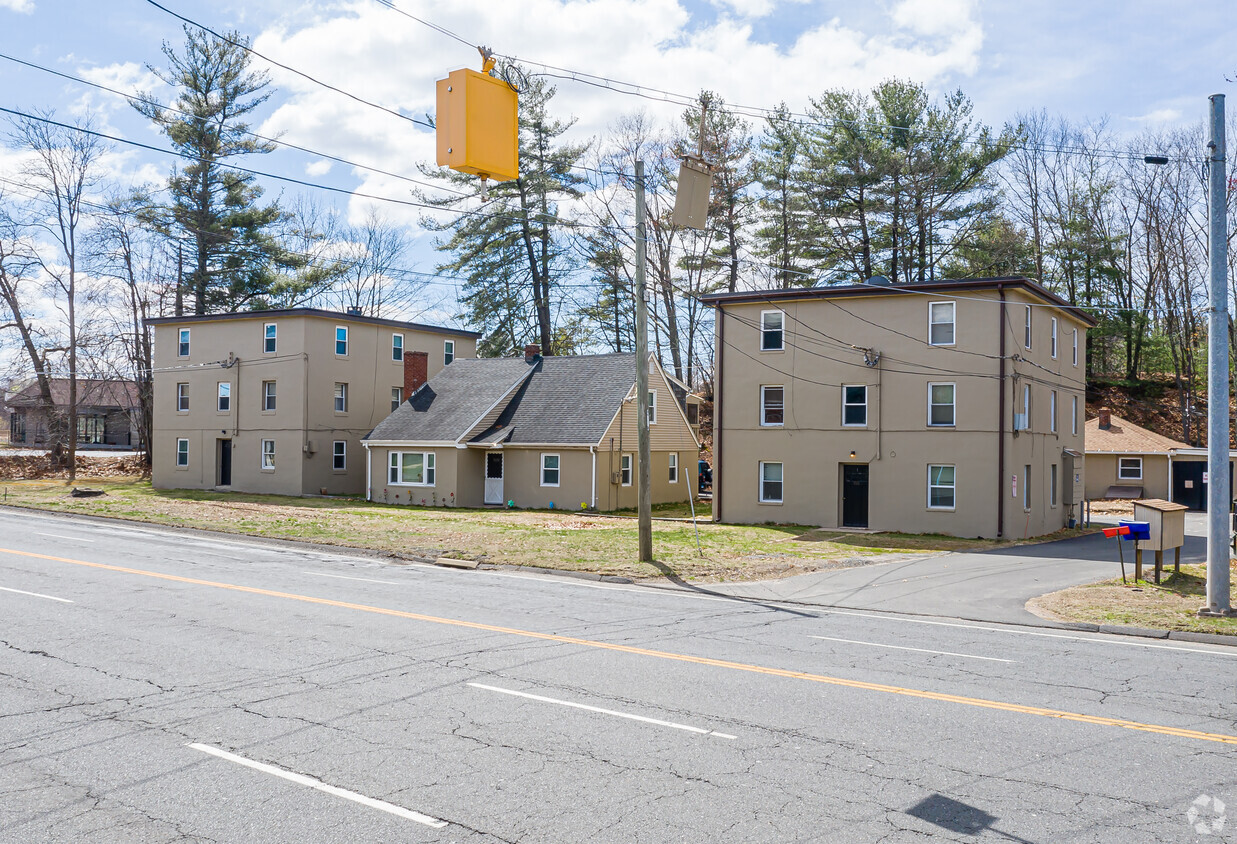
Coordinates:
[453,400]
[568,400]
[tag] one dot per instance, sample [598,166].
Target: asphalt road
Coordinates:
[159,686]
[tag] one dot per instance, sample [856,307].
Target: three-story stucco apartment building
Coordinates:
[952,407]
[278,401]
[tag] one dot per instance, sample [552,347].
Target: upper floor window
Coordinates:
[1073,414]
[771,330]
[397,398]
[1054,338]
[549,470]
[652,407]
[941,323]
[1052,410]
[397,347]
[693,414]
[341,398]
[268,395]
[1075,347]
[182,349]
[341,340]
[941,404]
[182,396]
[772,405]
[225,396]
[448,352]
[855,405]
[268,338]
[1026,339]
[1022,421]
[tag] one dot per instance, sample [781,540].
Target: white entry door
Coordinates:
[493,477]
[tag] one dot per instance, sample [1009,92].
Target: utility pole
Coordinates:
[1218,494]
[644,504]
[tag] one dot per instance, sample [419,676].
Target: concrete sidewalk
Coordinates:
[985,586]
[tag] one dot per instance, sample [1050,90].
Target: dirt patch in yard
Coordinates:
[15,467]
[1173,605]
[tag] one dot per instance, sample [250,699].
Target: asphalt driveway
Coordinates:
[985,586]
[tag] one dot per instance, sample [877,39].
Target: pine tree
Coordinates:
[235,256]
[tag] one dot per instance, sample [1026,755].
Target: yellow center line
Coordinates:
[697,660]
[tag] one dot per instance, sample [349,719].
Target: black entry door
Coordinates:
[854,496]
[225,463]
[1188,486]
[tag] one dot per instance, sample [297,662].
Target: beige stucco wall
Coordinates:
[897,443]
[304,423]
[1102,473]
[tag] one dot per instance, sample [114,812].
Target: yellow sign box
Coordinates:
[478,125]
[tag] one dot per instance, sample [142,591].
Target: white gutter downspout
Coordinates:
[368,489]
[1171,452]
[592,449]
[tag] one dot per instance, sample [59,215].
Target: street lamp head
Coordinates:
[1155,159]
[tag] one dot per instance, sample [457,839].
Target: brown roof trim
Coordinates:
[313,312]
[945,286]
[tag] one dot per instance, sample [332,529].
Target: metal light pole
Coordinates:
[1218,494]
[644,505]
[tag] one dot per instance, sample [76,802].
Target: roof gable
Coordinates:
[1124,437]
[450,403]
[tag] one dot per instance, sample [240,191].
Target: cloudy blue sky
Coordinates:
[1138,64]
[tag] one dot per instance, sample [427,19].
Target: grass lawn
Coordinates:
[553,539]
[1170,606]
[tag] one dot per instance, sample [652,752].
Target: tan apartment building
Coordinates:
[278,401]
[533,432]
[952,407]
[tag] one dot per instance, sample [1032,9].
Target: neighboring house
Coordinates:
[949,407]
[107,412]
[277,401]
[1125,460]
[689,401]
[533,431]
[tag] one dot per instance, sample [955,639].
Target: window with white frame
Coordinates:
[1026,339]
[772,327]
[448,352]
[268,395]
[182,453]
[1130,469]
[341,397]
[941,487]
[182,397]
[225,396]
[268,454]
[1022,421]
[411,468]
[772,406]
[397,347]
[674,468]
[652,407]
[397,398]
[339,455]
[1075,347]
[941,404]
[549,469]
[269,343]
[1073,415]
[1054,338]
[770,483]
[1052,485]
[855,405]
[182,348]
[941,323]
[1052,408]
[625,470]
[341,340]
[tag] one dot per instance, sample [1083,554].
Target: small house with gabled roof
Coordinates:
[531,432]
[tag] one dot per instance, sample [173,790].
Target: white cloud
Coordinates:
[22,7]
[1160,115]
[934,17]
[318,168]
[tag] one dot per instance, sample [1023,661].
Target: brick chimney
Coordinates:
[1105,419]
[531,351]
[416,371]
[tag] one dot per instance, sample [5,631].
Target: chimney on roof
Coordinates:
[531,352]
[416,371]
[353,310]
[1105,419]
